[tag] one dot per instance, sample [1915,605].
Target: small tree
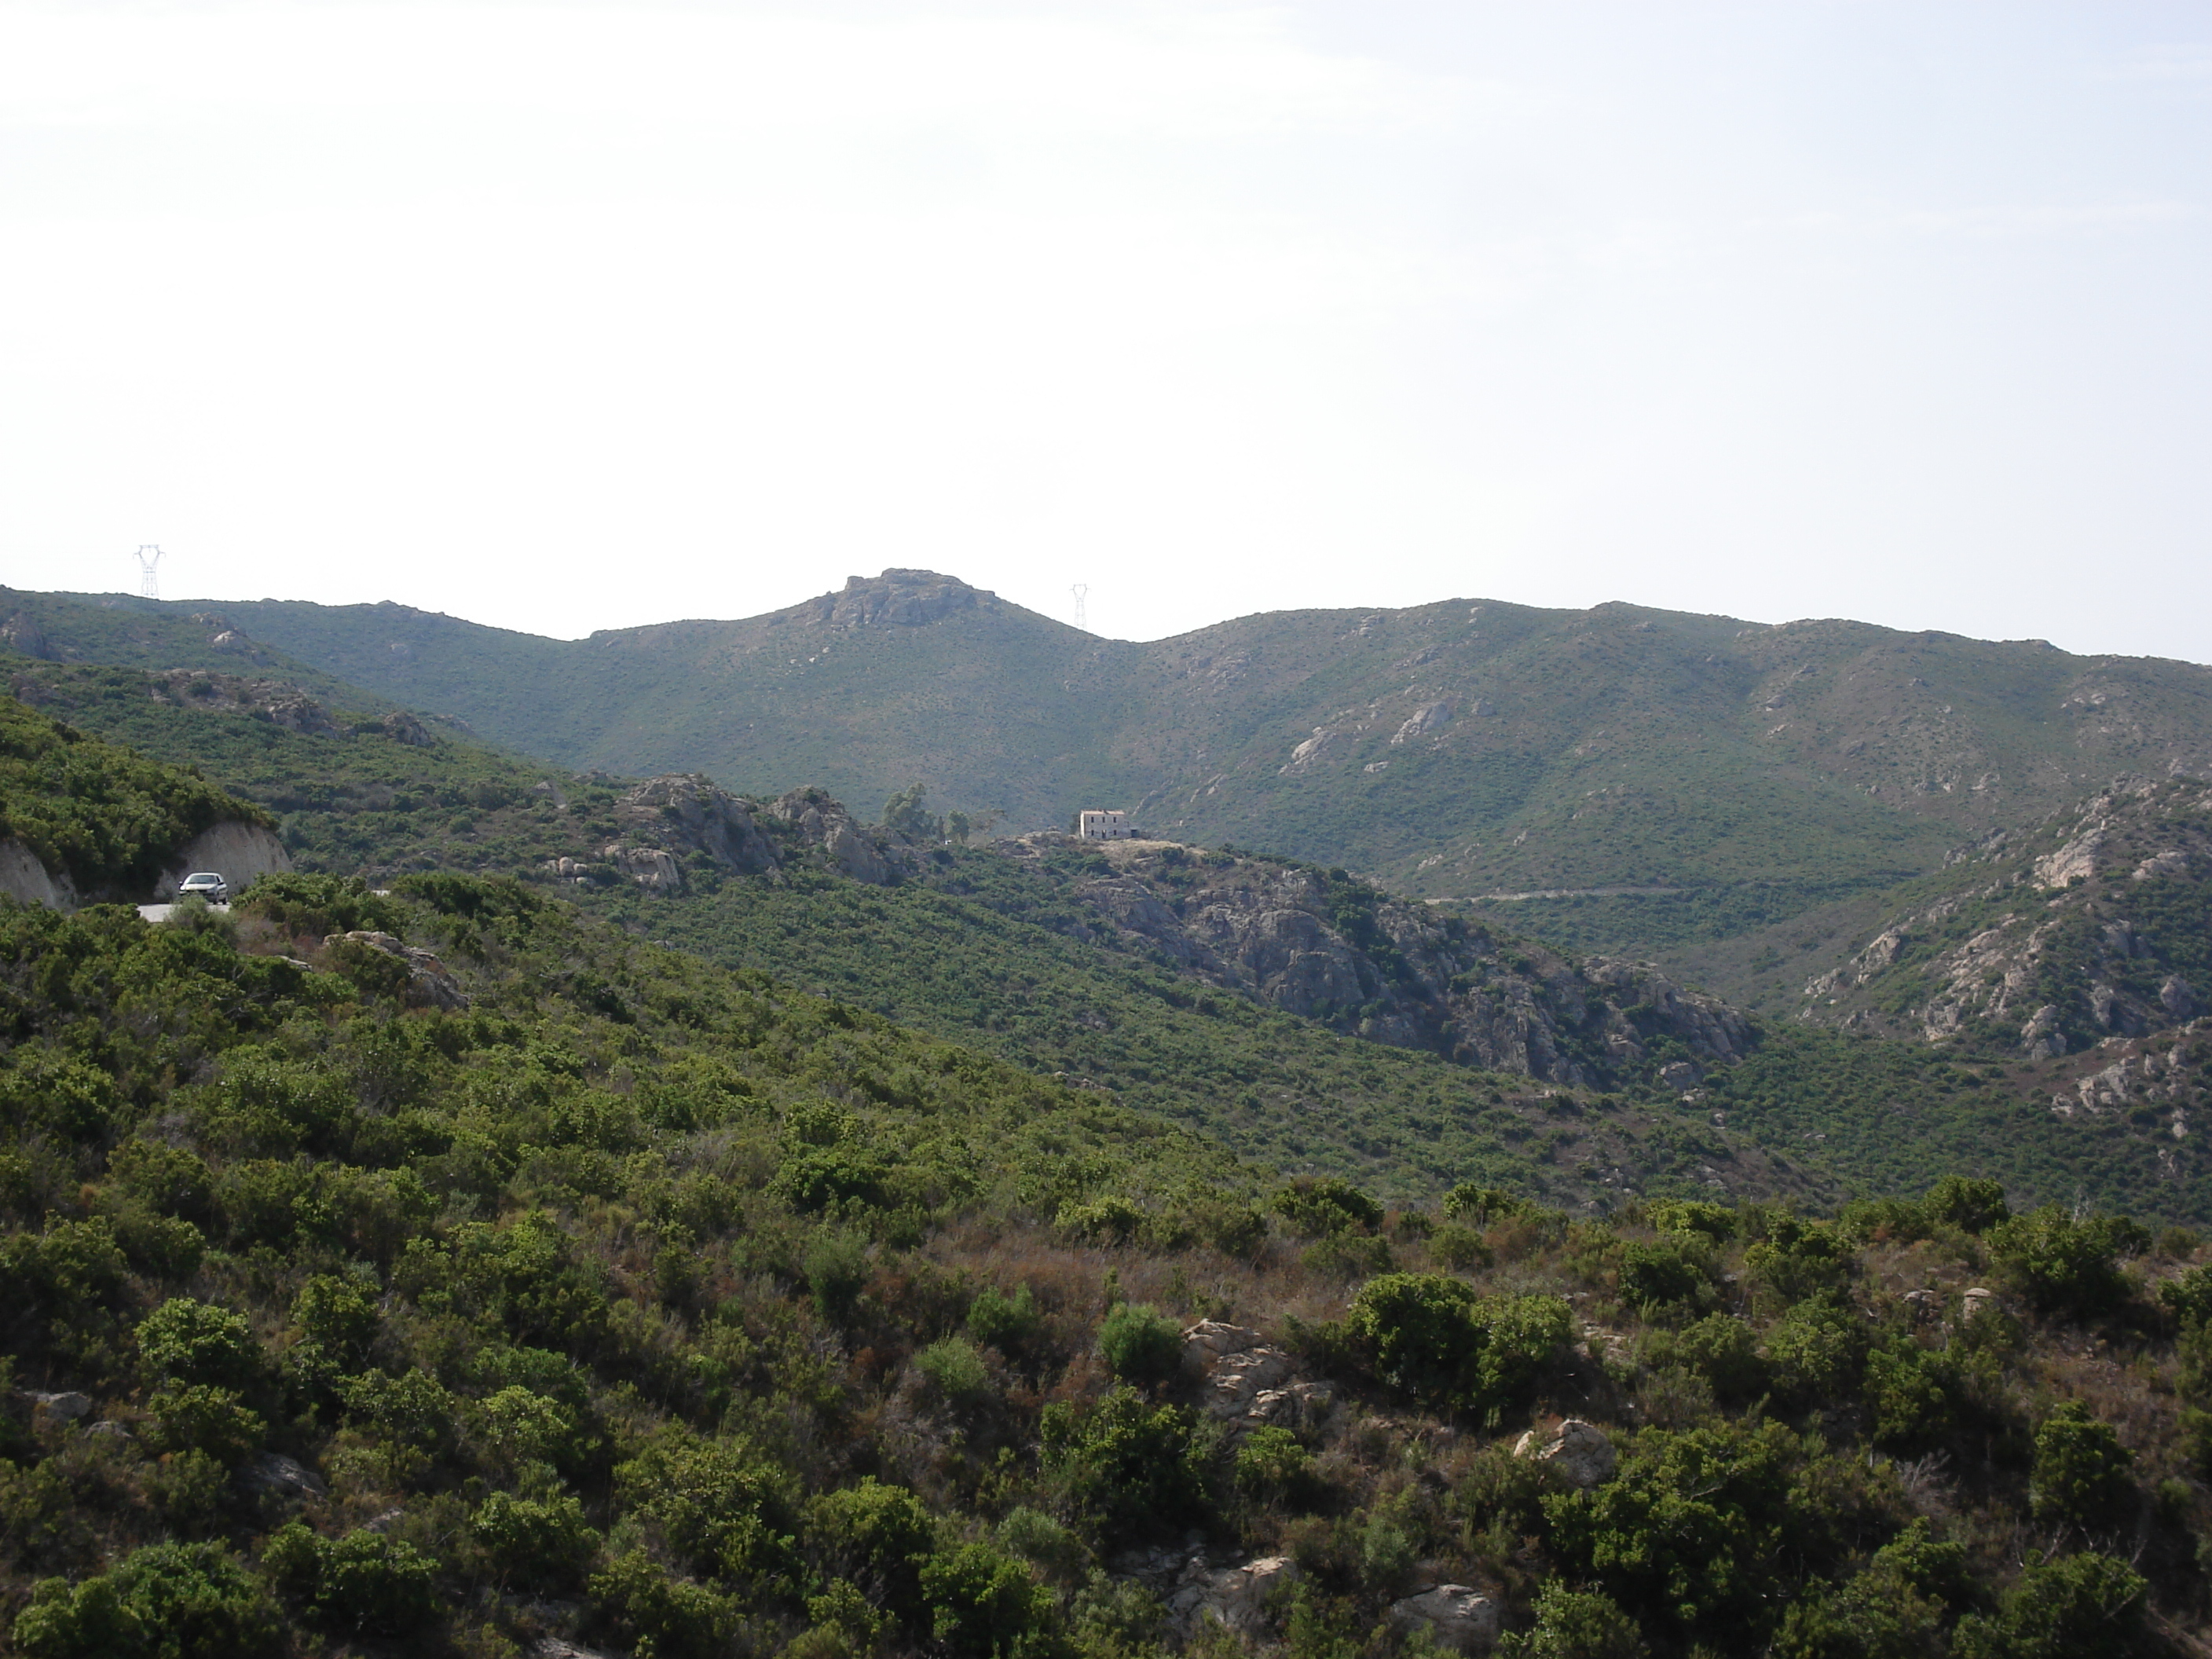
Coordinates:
[905,815]
[2081,1472]
[1141,1344]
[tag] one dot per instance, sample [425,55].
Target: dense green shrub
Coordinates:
[1271,1464]
[836,1266]
[1818,1348]
[983,1604]
[1899,1606]
[1462,1248]
[1436,1339]
[164,1602]
[1909,1391]
[2081,1476]
[214,1421]
[1002,1321]
[1574,1624]
[2075,1605]
[1797,1259]
[374,1585]
[724,1507]
[1689,1215]
[1667,1275]
[953,1368]
[2065,1265]
[874,1535]
[1318,1205]
[1482,1206]
[1972,1206]
[1126,1469]
[1139,1344]
[641,1600]
[533,1543]
[1694,1529]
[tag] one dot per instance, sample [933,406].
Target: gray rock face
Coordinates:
[1235,1596]
[821,822]
[898,599]
[2067,910]
[403,727]
[1273,932]
[651,867]
[280,1476]
[1579,1451]
[1429,717]
[1455,1616]
[62,1407]
[240,852]
[685,813]
[1247,1382]
[23,876]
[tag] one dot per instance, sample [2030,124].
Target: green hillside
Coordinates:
[444,1274]
[1014,958]
[1744,773]
[355,793]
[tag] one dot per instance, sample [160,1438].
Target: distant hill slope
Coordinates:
[1219,990]
[1744,773]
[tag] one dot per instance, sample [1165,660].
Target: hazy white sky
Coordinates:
[567,317]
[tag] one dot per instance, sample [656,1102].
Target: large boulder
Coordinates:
[651,867]
[1246,1382]
[1457,1616]
[1579,1451]
[1235,1596]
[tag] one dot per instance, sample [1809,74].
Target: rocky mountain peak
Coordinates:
[898,598]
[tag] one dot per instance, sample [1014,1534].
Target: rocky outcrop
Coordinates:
[240,852]
[686,813]
[1579,1451]
[1245,1382]
[2064,938]
[429,985]
[1455,1616]
[1326,948]
[279,1476]
[1194,1593]
[1429,717]
[23,876]
[898,599]
[812,819]
[20,633]
[668,822]
[59,1407]
[1236,1597]
[650,867]
[278,702]
[402,727]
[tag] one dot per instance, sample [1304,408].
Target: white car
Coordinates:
[204,884]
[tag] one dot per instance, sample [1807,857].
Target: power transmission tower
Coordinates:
[149,580]
[1082,591]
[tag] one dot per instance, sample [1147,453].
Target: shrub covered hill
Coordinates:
[1295,1012]
[1747,773]
[448,1272]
